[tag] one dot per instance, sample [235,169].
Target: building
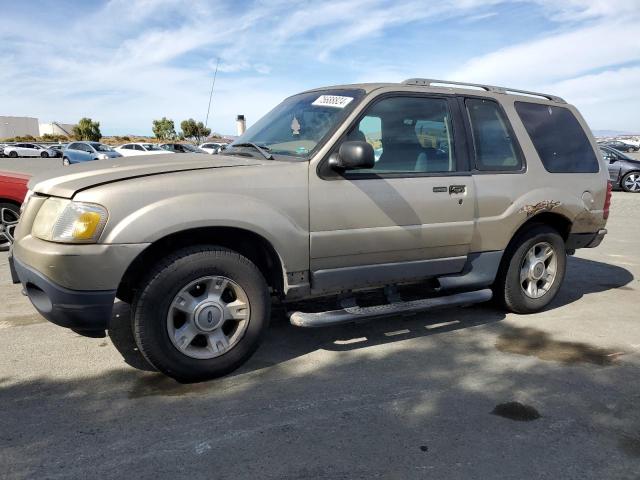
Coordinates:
[18,127]
[56,128]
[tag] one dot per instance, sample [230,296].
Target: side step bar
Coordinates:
[358,314]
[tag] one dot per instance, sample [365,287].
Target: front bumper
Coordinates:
[80,310]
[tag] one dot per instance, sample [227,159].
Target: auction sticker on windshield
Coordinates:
[336,101]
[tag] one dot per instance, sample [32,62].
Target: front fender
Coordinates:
[288,235]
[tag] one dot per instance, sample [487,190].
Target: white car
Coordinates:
[133,149]
[28,150]
[212,147]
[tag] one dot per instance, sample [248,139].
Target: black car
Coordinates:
[620,146]
[181,148]
[624,171]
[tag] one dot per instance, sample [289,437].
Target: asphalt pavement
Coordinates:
[428,396]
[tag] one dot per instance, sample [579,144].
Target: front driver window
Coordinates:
[408,135]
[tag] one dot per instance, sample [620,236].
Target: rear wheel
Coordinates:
[532,271]
[631,182]
[201,313]
[9,216]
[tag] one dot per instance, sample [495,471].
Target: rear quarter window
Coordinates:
[561,143]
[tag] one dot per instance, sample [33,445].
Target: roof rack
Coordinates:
[429,82]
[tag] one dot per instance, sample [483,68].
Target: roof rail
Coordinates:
[430,82]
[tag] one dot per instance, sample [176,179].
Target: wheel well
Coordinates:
[253,246]
[559,222]
[12,202]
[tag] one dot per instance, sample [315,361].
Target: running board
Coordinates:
[358,314]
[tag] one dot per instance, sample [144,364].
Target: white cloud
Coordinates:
[134,60]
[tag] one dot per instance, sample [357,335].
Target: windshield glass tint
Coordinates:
[300,123]
[151,146]
[101,147]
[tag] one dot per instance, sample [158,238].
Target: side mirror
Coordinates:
[353,155]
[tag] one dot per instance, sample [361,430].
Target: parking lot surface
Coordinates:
[410,397]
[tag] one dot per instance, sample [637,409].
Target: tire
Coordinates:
[509,288]
[65,161]
[44,155]
[631,182]
[9,215]
[156,316]
[13,154]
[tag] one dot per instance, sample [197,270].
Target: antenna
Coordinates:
[206,122]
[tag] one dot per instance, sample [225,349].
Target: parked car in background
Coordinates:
[2,145]
[28,150]
[620,146]
[213,147]
[181,148]
[134,149]
[624,171]
[13,190]
[58,149]
[78,152]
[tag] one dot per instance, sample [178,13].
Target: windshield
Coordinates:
[300,123]
[101,147]
[150,146]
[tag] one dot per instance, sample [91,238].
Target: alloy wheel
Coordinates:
[208,317]
[632,182]
[538,270]
[8,221]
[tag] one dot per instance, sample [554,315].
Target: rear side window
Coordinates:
[560,141]
[495,148]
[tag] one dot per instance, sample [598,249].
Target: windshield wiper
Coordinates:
[264,150]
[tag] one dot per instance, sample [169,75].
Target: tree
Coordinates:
[87,129]
[196,131]
[164,129]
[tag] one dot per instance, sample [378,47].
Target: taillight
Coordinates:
[607,201]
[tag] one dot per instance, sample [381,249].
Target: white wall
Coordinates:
[56,128]
[18,126]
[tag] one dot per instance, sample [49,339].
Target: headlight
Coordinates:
[60,220]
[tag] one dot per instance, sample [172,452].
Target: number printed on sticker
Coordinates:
[336,101]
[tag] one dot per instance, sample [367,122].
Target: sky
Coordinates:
[127,62]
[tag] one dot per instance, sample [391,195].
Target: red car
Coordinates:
[13,188]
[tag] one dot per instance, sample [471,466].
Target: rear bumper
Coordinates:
[80,310]
[585,240]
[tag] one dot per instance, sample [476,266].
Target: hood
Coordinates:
[89,174]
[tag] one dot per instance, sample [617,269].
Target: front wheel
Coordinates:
[9,216]
[13,154]
[201,313]
[65,162]
[44,155]
[631,182]
[532,271]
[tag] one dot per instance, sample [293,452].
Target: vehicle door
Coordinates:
[411,216]
[89,152]
[613,164]
[139,150]
[28,150]
[75,153]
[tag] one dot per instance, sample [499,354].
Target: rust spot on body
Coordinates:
[544,206]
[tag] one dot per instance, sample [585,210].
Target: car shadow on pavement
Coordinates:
[285,342]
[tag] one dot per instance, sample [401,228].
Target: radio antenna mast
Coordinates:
[206,122]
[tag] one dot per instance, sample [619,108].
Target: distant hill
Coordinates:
[611,133]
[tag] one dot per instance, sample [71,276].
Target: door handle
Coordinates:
[457,189]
